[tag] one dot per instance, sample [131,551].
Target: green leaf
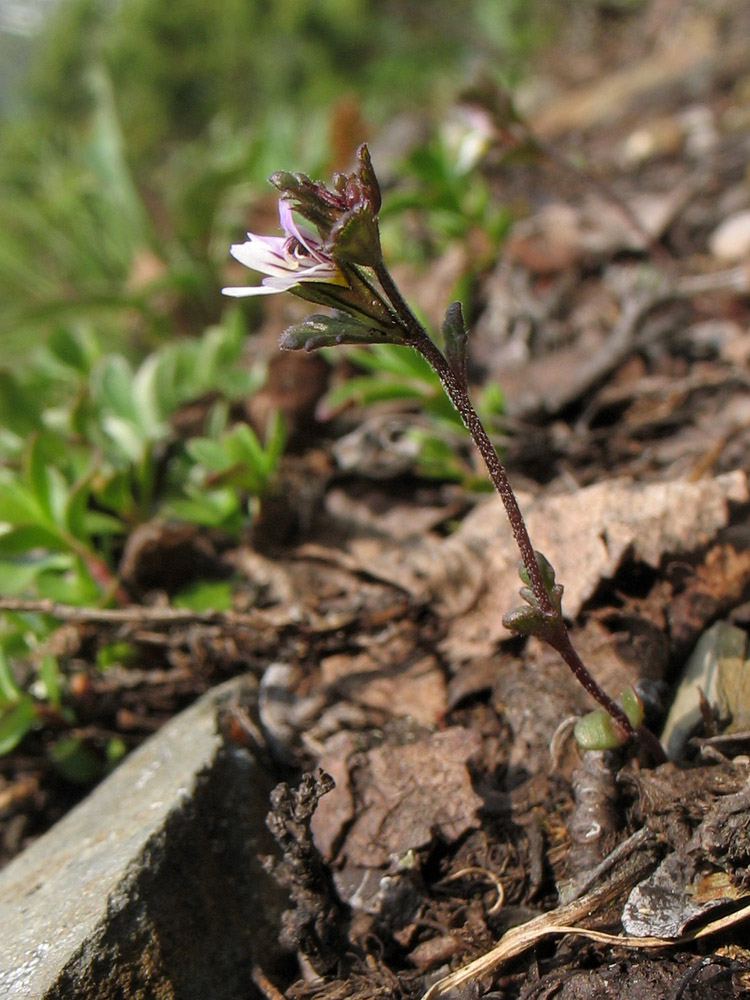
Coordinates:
[329,331]
[76,509]
[49,674]
[547,571]
[275,441]
[37,476]
[243,448]
[73,349]
[632,706]
[365,390]
[456,340]
[239,459]
[210,454]
[217,419]
[10,691]
[114,751]
[113,384]
[121,652]
[16,722]
[18,505]
[58,490]
[127,436]
[525,620]
[219,508]
[20,541]
[205,595]
[113,489]
[596,731]
[437,458]
[97,523]
[75,761]
[75,586]
[17,577]
[355,238]
[19,406]
[398,360]
[152,406]
[491,401]
[220,347]
[82,522]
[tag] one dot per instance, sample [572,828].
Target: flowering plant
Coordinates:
[286,260]
[339,263]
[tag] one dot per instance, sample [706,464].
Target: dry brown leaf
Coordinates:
[336,809]
[414,792]
[585,536]
[416,689]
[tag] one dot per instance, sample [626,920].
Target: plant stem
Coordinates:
[418,338]
[561,641]
[556,632]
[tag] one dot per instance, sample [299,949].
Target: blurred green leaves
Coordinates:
[448,200]
[91,447]
[226,472]
[395,373]
[17,709]
[73,227]
[149,126]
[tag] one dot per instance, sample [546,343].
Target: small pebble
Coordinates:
[730,241]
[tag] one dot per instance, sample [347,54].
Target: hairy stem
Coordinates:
[556,633]
[457,393]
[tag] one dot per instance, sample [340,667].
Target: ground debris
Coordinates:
[408,794]
[708,871]
[316,924]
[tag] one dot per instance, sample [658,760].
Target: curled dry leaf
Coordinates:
[585,536]
[412,793]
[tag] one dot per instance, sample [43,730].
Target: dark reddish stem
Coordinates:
[458,394]
[555,632]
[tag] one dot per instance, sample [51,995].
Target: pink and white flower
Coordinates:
[286,261]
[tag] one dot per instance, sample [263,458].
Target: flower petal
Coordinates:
[307,237]
[241,293]
[257,256]
[286,261]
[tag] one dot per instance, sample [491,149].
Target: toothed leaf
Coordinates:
[526,621]
[355,238]
[328,331]
[455,339]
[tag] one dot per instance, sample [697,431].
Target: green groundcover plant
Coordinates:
[90,447]
[330,254]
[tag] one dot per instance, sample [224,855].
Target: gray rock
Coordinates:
[719,671]
[152,887]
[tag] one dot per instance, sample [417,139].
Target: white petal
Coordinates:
[241,293]
[322,272]
[258,256]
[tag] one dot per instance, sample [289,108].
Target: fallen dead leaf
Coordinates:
[336,809]
[416,689]
[414,792]
[585,535]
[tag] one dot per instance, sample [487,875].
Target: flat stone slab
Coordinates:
[152,887]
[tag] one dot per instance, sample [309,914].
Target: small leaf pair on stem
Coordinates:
[333,257]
